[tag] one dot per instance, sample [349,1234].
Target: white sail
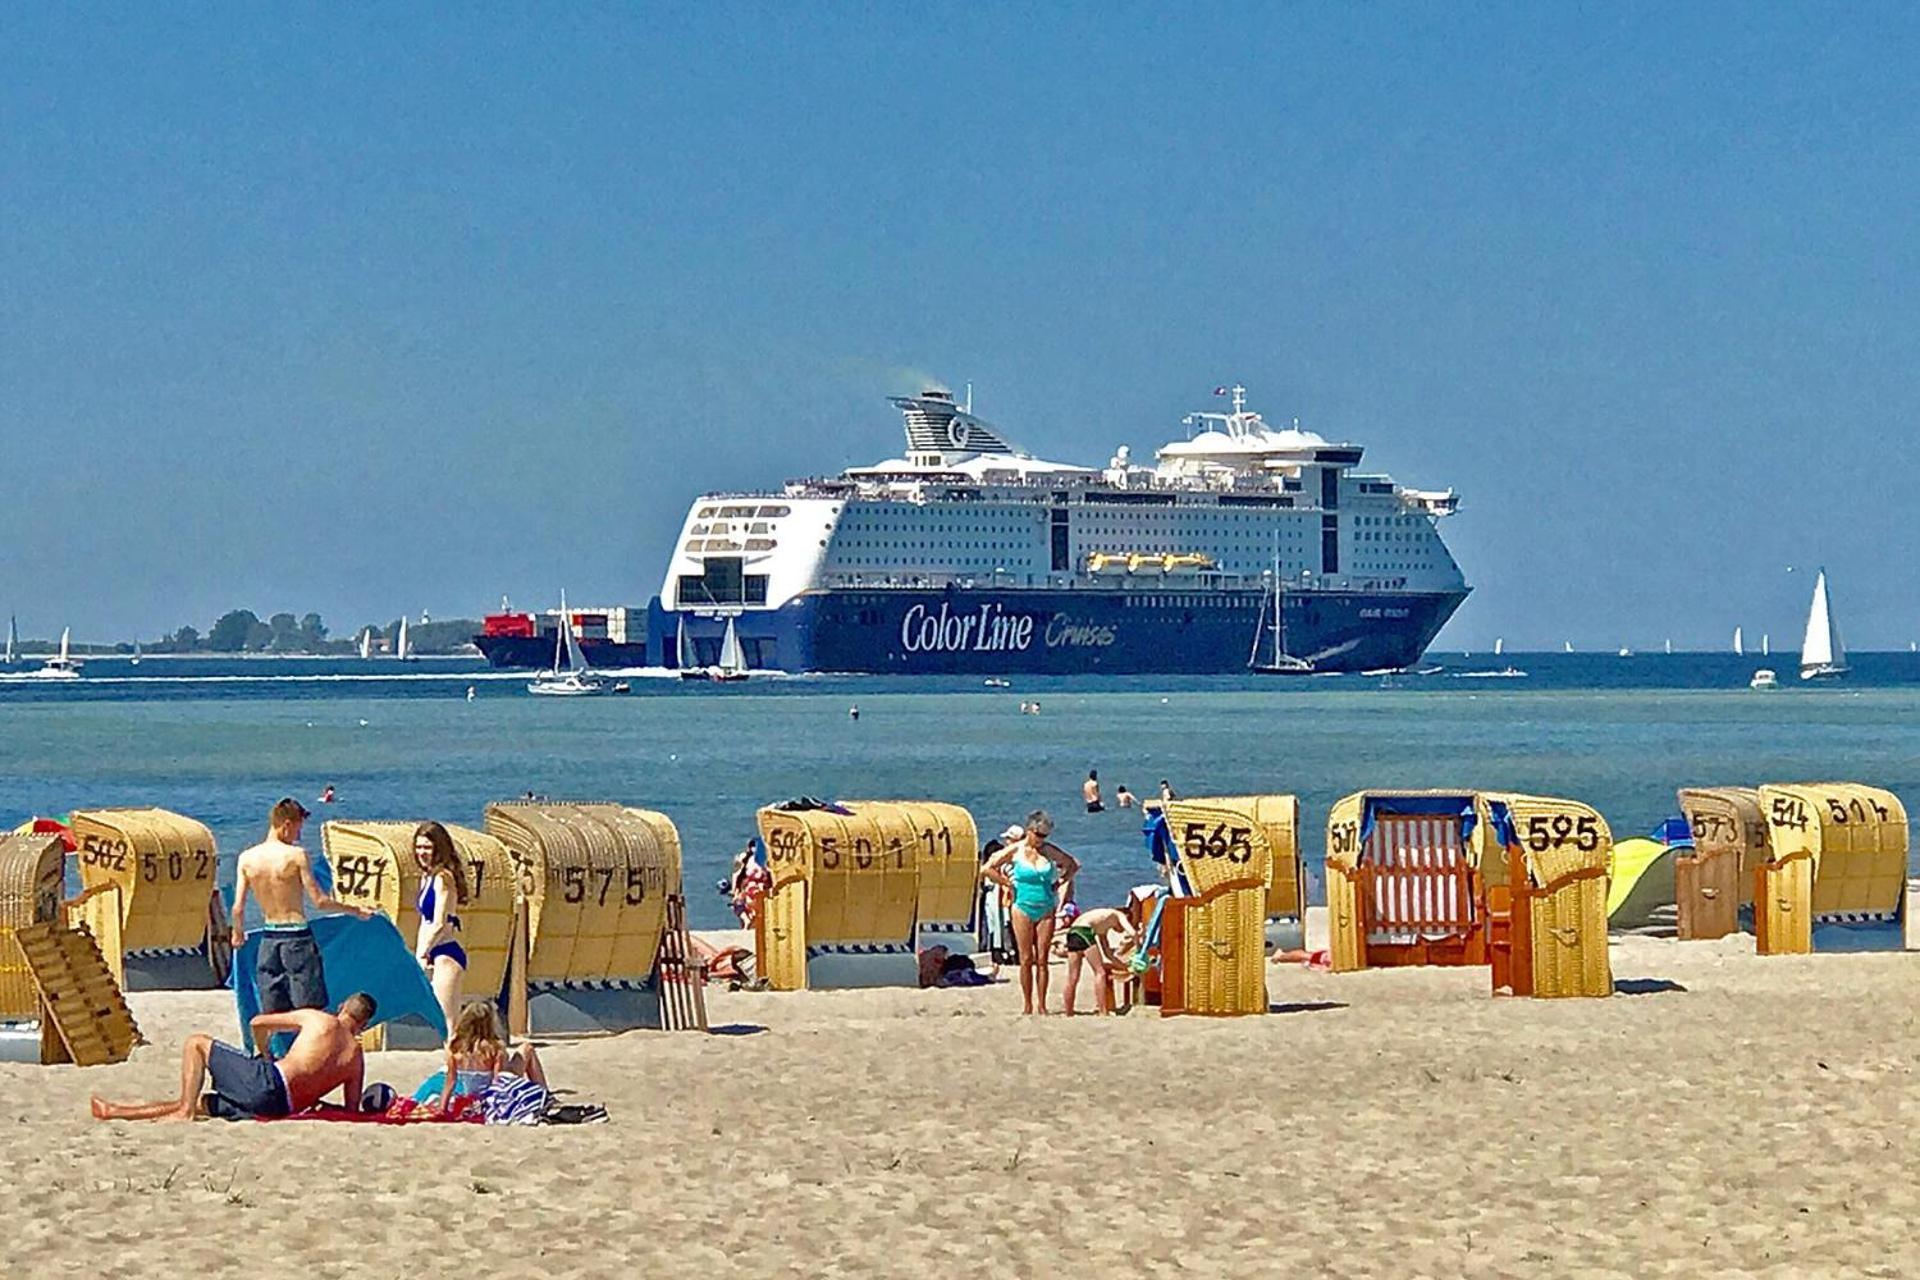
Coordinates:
[1669,645]
[576,660]
[1499,645]
[731,657]
[366,643]
[13,638]
[1821,652]
[136,651]
[1569,646]
[1739,647]
[1766,645]
[400,645]
[66,633]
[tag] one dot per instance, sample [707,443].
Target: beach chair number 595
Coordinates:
[1235,845]
[1561,829]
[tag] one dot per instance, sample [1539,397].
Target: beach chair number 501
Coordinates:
[1561,829]
[1235,845]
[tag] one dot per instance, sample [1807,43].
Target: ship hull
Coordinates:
[958,631]
[535,653]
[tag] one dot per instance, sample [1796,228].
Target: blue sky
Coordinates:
[367,311]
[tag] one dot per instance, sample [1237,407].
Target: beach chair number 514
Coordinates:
[1546,832]
[1235,845]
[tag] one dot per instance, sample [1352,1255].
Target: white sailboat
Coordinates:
[570,677]
[1277,661]
[62,667]
[401,649]
[1567,647]
[366,644]
[1739,646]
[1766,645]
[733,659]
[1499,645]
[136,651]
[1821,653]
[13,640]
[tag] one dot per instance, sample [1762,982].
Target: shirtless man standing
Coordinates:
[276,871]
[1096,940]
[325,1056]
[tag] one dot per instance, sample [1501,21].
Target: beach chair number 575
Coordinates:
[1235,845]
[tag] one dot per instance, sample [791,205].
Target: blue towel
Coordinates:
[357,955]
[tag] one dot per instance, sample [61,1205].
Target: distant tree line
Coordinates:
[243,631]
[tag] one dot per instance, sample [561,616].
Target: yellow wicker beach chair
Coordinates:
[1554,873]
[844,905]
[1838,857]
[1229,851]
[174,931]
[1713,882]
[32,877]
[373,866]
[594,881]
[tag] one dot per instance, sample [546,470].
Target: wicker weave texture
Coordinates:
[32,872]
[863,888]
[947,848]
[1726,821]
[1226,962]
[1856,835]
[595,880]
[374,866]
[164,863]
[781,935]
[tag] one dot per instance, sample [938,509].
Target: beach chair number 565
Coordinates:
[1235,845]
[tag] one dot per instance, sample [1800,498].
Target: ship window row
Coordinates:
[1185,602]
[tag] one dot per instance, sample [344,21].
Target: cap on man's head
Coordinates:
[288,810]
[1012,833]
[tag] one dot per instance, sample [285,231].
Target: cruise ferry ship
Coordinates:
[968,555]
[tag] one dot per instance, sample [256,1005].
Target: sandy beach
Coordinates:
[1749,1118]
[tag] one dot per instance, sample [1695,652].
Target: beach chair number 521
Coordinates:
[1561,829]
[1235,845]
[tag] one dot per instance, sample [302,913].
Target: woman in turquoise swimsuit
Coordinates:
[1038,876]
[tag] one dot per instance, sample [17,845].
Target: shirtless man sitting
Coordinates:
[1096,940]
[276,872]
[325,1056]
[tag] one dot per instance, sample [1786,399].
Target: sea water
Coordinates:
[222,740]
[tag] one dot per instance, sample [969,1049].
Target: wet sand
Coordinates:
[1725,1114]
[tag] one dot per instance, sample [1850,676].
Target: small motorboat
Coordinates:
[995,682]
[1764,678]
[61,666]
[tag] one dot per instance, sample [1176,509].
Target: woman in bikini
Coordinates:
[443,887]
[1038,875]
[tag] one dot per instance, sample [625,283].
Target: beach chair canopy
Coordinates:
[595,880]
[165,864]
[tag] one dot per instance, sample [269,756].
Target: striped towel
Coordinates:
[515,1100]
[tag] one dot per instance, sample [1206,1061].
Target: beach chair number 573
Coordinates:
[1235,845]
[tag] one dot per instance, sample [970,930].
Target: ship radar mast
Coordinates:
[1237,424]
